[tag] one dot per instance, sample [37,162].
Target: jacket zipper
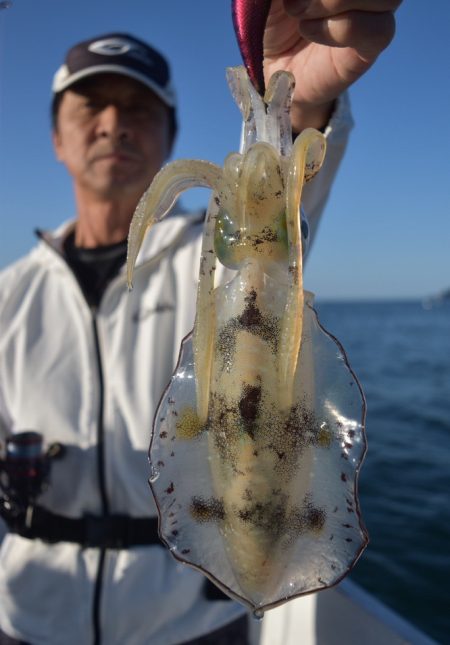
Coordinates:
[101,479]
[100,425]
[96,613]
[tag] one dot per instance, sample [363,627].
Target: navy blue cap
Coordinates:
[117,53]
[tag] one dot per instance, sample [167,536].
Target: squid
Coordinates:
[259,436]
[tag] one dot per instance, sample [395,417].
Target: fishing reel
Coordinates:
[24,472]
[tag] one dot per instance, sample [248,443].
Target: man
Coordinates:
[84,363]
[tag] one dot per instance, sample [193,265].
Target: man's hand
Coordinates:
[327,45]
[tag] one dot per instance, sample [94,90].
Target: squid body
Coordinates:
[258,439]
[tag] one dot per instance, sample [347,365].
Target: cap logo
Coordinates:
[119,47]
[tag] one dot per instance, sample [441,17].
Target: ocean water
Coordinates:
[400,352]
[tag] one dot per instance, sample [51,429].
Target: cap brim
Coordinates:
[167,97]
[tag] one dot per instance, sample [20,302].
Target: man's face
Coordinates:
[113,135]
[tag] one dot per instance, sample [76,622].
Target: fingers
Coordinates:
[368,33]
[367,26]
[311,9]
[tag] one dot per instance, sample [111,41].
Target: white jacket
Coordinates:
[49,382]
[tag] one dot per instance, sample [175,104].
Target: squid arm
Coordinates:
[307,157]
[155,203]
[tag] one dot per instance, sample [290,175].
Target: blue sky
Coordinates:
[386,230]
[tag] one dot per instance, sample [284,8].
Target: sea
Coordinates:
[400,352]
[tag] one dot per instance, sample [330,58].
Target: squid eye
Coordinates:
[304,225]
[305,231]
[226,238]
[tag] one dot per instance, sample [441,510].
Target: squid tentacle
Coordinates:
[155,203]
[306,155]
[278,98]
[204,327]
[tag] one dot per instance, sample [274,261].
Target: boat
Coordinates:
[343,615]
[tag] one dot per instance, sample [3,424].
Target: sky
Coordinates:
[386,229]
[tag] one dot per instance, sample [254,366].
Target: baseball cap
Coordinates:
[117,53]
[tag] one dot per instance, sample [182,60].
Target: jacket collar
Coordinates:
[162,236]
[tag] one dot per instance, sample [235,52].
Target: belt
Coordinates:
[99,531]
[108,531]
